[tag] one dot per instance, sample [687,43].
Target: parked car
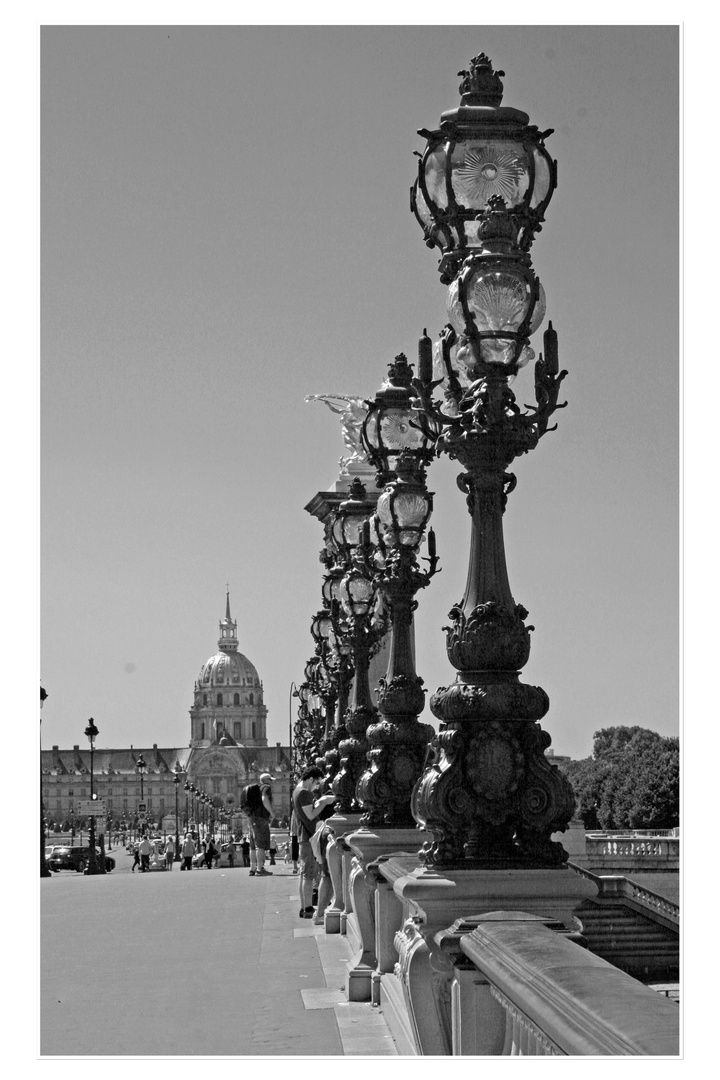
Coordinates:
[76,858]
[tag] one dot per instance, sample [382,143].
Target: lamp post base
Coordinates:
[489,796]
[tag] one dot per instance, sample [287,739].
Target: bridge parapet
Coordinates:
[631,851]
[522,986]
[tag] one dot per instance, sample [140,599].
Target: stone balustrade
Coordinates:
[522,986]
[633,895]
[512,980]
[613,853]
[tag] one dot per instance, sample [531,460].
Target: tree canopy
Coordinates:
[632,780]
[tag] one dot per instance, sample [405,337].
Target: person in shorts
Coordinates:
[307,808]
[259,820]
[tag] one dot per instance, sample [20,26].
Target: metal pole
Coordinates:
[93,869]
[44,872]
[293,690]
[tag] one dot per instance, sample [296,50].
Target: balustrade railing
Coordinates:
[521,986]
[652,846]
[646,901]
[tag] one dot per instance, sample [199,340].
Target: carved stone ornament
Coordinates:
[506,700]
[397,756]
[481,85]
[490,638]
[491,799]
[400,696]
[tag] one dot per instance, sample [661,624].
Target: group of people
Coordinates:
[307,847]
[161,851]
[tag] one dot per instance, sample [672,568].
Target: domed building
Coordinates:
[227,749]
[228,695]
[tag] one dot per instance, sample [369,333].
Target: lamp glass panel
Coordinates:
[352,525]
[499,300]
[482,168]
[356,594]
[542,179]
[330,588]
[398,433]
[435,177]
[421,206]
[411,509]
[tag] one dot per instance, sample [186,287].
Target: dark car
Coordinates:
[76,858]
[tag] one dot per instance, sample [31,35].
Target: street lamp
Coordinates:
[398,742]
[141,768]
[44,872]
[480,152]
[187,789]
[489,798]
[177,780]
[392,427]
[92,732]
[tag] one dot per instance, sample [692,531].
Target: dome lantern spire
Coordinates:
[228,641]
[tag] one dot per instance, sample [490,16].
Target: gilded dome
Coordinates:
[227,669]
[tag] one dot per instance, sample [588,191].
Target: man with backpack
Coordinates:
[257,804]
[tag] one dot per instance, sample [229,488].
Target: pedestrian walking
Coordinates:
[187,851]
[145,848]
[136,860]
[169,852]
[245,851]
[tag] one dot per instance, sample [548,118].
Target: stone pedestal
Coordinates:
[361,920]
[339,857]
[416,993]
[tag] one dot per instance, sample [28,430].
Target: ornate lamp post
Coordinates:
[91,732]
[489,797]
[353,597]
[334,653]
[398,742]
[357,597]
[201,813]
[187,789]
[177,780]
[141,768]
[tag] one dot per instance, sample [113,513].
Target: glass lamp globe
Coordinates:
[507,304]
[357,593]
[403,515]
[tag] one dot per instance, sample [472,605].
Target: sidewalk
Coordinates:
[208,963]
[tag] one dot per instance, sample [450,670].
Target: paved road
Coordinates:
[211,962]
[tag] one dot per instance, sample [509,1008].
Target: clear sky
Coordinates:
[226,229]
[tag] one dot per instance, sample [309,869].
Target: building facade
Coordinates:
[228,749]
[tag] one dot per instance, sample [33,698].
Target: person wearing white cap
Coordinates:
[260,813]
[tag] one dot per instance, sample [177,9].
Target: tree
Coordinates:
[632,780]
